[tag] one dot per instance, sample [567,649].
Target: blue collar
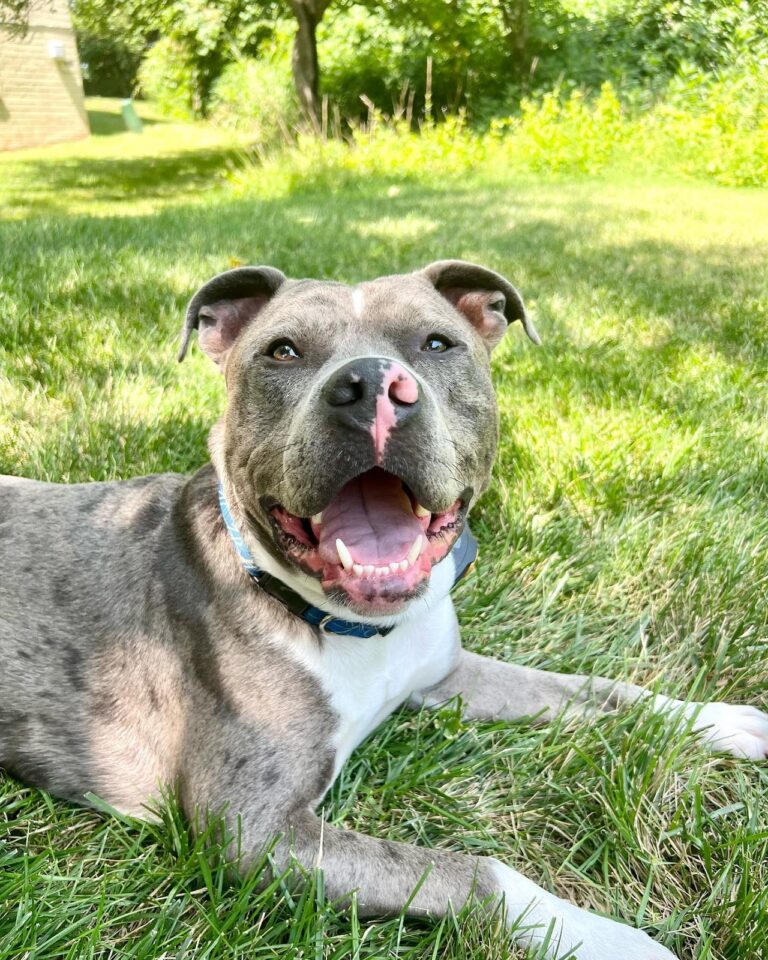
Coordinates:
[464,552]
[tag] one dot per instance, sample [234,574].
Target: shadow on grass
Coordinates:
[105,123]
[53,189]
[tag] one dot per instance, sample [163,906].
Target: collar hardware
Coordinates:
[464,552]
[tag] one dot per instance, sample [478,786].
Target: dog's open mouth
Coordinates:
[373,542]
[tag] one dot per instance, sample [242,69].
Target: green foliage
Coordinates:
[363,54]
[558,135]
[110,66]
[167,78]
[711,129]
[642,43]
[714,127]
[205,36]
[485,54]
[256,97]
[381,50]
[657,37]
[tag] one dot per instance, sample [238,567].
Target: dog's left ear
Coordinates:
[224,306]
[485,298]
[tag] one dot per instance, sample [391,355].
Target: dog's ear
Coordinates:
[222,307]
[485,298]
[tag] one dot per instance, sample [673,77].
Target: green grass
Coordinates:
[626,532]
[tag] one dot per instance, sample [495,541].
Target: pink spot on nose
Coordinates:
[398,388]
[403,388]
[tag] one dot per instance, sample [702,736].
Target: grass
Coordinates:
[626,532]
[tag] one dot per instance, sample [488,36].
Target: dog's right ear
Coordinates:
[221,308]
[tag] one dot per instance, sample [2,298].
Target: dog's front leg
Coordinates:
[384,874]
[493,690]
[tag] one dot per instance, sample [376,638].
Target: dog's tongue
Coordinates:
[372,514]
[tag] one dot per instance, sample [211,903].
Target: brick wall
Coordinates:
[41,99]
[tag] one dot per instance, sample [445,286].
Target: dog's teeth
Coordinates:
[380,571]
[344,555]
[394,567]
[413,553]
[357,569]
[404,565]
[317,519]
[421,511]
[368,569]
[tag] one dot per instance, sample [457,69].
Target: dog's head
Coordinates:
[361,421]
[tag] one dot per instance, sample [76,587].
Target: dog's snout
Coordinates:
[361,384]
[374,395]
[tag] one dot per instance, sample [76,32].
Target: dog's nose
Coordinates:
[372,394]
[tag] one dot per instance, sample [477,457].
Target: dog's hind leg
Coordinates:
[493,690]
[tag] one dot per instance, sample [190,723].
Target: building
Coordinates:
[41,89]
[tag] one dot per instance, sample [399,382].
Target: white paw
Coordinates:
[730,728]
[586,936]
[536,917]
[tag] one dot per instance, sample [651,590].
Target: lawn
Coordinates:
[626,532]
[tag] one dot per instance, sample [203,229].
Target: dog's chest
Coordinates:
[365,680]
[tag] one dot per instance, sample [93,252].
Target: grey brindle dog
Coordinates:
[235,634]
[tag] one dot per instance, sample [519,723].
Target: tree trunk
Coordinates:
[306,75]
[515,16]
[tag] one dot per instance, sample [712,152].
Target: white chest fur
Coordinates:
[366,683]
[366,680]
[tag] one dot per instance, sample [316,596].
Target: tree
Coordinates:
[306,74]
[209,31]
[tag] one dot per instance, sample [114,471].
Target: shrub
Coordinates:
[256,97]
[380,50]
[167,77]
[110,66]
[714,127]
[563,136]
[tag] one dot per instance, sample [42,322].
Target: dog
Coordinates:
[236,634]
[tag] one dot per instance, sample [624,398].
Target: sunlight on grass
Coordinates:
[405,228]
[97,176]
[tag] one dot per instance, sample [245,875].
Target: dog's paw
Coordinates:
[729,728]
[559,930]
[586,936]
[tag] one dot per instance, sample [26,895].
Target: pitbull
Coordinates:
[236,634]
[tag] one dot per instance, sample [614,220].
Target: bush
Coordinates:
[167,77]
[110,67]
[717,129]
[381,52]
[563,136]
[256,97]
[714,127]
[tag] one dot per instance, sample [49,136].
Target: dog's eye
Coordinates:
[283,350]
[435,343]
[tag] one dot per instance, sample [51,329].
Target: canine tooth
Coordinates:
[318,518]
[368,569]
[394,566]
[421,511]
[344,555]
[357,569]
[413,553]
[404,564]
